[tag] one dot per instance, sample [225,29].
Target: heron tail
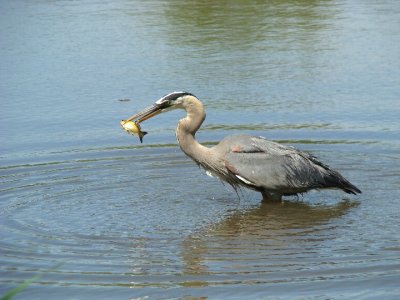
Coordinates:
[351,189]
[338,181]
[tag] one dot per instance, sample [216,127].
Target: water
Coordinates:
[98,215]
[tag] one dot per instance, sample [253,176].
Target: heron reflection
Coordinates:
[268,231]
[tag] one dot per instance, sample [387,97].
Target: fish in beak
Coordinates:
[133,128]
[164,104]
[131,125]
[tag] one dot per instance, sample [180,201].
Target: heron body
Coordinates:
[248,161]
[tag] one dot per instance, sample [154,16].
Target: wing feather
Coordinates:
[270,166]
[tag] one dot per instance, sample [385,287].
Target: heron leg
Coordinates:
[271,197]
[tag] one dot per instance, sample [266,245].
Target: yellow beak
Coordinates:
[146,114]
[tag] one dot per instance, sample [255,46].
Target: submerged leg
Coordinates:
[271,197]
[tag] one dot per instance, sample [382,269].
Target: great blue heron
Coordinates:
[254,162]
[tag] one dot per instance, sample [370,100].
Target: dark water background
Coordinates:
[126,220]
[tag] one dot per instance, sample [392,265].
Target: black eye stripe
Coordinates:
[164,104]
[175,95]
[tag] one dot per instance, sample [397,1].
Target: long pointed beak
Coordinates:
[146,114]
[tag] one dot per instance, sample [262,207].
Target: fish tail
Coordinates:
[141,135]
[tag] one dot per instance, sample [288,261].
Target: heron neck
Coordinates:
[187,128]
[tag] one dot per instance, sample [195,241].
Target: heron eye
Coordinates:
[166,103]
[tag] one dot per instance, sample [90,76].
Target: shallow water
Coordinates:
[98,215]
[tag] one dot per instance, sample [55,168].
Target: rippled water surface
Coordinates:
[97,215]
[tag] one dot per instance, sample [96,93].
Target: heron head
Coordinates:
[165,103]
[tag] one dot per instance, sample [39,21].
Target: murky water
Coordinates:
[99,216]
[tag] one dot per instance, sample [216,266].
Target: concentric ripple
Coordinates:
[113,221]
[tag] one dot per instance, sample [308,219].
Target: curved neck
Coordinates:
[187,128]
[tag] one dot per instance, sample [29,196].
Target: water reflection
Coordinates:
[262,238]
[222,46]
[240,24]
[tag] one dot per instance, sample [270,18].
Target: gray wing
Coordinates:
[268,166]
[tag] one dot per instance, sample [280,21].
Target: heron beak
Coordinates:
[146,114]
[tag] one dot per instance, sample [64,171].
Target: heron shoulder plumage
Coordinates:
[270,167]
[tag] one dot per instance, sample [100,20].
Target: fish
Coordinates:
[133,128]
